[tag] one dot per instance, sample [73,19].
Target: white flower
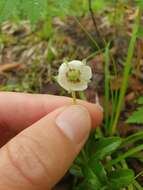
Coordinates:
[74,76]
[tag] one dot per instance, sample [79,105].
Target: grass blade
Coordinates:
[126,71]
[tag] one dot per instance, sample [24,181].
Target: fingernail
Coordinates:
[98,103]
[99,106]
[75,123]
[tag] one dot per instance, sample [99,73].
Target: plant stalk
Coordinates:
[126,74]
[74,97]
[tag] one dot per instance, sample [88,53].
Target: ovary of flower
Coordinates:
[74,76]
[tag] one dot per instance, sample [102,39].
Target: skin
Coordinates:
[29,137]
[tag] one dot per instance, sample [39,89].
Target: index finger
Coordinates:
[19,110]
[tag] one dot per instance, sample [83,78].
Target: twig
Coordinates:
[94,22]
[9,67]
[87,33]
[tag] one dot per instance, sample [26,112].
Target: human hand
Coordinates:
[46,132]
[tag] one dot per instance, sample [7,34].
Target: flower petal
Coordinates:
[62,80]
[63,68]
[85,76]
[75,64]
[86,73]
[78,86]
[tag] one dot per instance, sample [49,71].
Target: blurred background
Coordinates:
[37,36]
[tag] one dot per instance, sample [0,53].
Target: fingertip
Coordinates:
[98,116]
[96,112]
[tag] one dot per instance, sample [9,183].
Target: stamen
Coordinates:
[73,75]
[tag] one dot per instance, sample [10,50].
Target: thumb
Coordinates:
[41,154]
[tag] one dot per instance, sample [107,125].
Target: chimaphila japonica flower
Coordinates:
[74,76]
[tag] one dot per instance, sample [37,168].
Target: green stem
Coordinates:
[87,33]
[125,155]
[94,54]
[137,185]
[132,138]
[114,95]
[128,64]
[139,174]
[74,97]
[106,87]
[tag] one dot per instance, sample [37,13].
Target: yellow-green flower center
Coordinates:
[73,75]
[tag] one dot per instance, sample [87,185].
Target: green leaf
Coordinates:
[99,171]
[121,178]
[76,171]
[106,146]
[84,186]
[136,117]
[90,145]
[91,177]
[132,138]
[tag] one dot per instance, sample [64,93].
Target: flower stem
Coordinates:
[74,97]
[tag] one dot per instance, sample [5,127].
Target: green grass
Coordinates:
[127,70]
